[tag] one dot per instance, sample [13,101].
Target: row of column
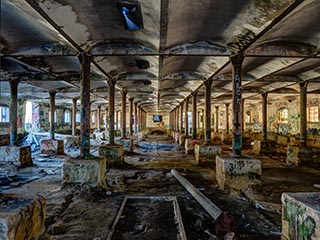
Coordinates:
[176,116]
[140,114]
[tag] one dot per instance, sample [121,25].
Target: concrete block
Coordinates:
[300,216]
[283,140]
[205,153]
[256,148]
[113,153]
[126,143]
[90,171]
[293,155]
[72,141]
[20,156]
[49,146]
[237,173]
[21,216]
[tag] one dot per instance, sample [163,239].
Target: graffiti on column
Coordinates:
[237,138]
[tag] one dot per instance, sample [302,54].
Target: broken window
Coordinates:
[78,117]
[283,115]
[4,113]
[313,114]
[131,15]
[67,117]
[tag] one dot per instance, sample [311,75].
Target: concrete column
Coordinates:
[181,118]
[99,118]
[123,112]
[217,119]
[85,62]
[208,84]
[236,62]
[303,114]
[130,116]
[194,115]
[227,118]
[136,117]
[52,111]
[13,111]
[186,122]
[264,116]
[74,116]
[112,89]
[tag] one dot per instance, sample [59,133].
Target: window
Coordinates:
[131,15]
[313,114]
[93,117]
[4,114]
[67,117]
[283,115]
[78,117]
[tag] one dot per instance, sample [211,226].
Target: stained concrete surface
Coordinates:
[83,212]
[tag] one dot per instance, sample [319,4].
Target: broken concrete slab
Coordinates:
[293,155]
[91,171]
[72,141]
[21,216]
[127,143]
[237,173]
[256,148]
[300,215]
[20,156]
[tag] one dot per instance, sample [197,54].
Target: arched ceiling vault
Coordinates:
[179,45]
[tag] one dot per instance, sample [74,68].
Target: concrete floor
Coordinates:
[84,212]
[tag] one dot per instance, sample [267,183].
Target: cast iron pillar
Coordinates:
[99,118]
[303,114]
[208,84]
[243,116]
[194,115]
[199,119]
[117,120]
[106,127]
[130,116]
[236,62]
[13,111]
[217,119]
[186,122]
[123,112]
[135,117]
[85,61]
[52,111]
[227,118]
[264,116]
[74,116]
[181,118]
[112,89]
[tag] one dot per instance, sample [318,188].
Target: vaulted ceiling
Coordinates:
[172,48]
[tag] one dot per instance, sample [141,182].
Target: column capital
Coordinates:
[208,83]
[84,57]
[237,59]
[52,93]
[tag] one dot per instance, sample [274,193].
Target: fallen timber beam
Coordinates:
[223,220]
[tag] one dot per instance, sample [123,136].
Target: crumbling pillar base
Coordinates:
[206,153]
[237,173]
[49,146]
[90,171]
[20,156]
[300,215]
[113,153]
[22,218]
